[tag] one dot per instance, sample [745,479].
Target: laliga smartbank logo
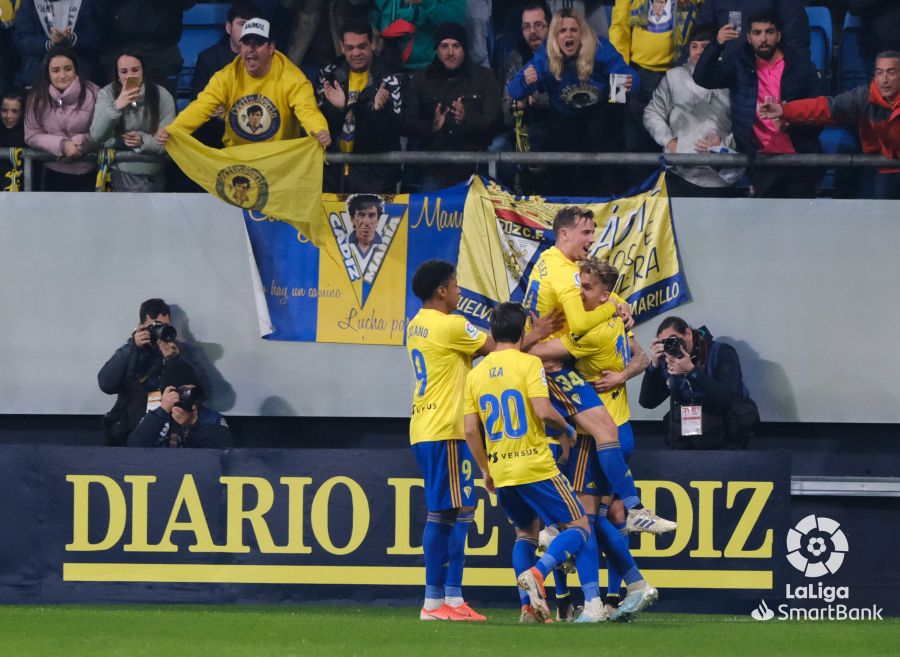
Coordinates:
[816,546]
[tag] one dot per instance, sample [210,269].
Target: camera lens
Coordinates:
[164,332]
[673,346]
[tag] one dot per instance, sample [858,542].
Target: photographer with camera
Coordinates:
[708,401]
[181,420]
[135,371]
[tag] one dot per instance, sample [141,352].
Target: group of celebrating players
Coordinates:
[554,447]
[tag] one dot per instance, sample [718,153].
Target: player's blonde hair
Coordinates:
[601,270]
[586,50]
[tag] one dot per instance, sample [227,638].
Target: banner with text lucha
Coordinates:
[204,526]
[503,236]
[356,287]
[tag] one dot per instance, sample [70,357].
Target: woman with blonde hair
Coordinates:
[573,68]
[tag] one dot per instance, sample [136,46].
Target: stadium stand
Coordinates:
[203,26]
[820,40]
[855,63]
[854,68]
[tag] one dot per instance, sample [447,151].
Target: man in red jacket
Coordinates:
[874,108]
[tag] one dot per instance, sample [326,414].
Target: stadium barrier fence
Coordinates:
[839,160]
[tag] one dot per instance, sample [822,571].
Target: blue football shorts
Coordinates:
[448,469]
[553,500]
[570,393]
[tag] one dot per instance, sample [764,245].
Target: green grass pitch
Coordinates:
[306,631]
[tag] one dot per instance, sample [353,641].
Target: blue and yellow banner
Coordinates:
[355,288]
[504,235]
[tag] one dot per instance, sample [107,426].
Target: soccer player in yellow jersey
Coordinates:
[441,347]
[555,283]
[261,82]
[507,397]
[607,356]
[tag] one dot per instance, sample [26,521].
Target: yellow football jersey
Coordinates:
[440,349]
[499,390]
[604,348]
[555,282]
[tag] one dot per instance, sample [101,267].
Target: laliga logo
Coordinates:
[762,612]
[816,546]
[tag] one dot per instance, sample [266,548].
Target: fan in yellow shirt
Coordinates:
[264,96]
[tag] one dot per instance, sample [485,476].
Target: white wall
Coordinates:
[804,291]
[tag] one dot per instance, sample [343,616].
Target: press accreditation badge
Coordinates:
[691,420]
[154,400]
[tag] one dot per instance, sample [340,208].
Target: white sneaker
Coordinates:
[593,612]
[633,603]
[528,616]
[644,520]
[545,538]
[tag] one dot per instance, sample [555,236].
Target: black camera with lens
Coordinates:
[189,397]
[674,346]
[160,332]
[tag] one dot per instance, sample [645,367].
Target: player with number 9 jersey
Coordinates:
[498,390]
[441,348]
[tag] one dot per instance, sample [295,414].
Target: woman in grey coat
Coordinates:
[127,114]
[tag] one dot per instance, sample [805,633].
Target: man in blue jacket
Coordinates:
[181,420]
[764,69]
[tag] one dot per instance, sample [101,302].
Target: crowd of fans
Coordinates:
[676,76]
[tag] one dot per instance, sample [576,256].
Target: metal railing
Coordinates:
[845,486]
[547,158]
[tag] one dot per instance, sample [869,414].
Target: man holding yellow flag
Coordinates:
[262,93]
[264,168]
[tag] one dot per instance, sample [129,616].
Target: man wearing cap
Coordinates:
[453,105]
[181,420]
[261,78]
